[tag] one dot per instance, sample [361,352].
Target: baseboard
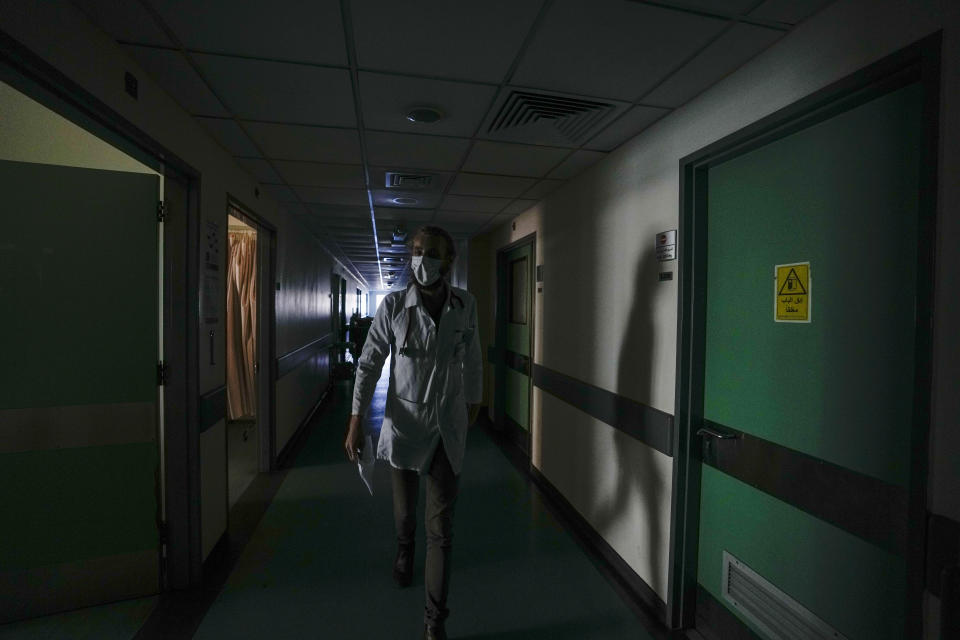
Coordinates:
[628,579]
[642,599]
[289,450]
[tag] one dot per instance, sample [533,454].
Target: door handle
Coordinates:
[713,433]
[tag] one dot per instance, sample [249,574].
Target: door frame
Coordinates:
[179,488]
[500,418]
[266,332]
[917,62]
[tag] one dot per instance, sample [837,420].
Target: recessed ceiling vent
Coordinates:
[397,179]
[574,118]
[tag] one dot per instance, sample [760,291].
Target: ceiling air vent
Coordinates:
[574,118]
[397,179]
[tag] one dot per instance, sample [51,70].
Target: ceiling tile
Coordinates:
[630,124]
[513,159]
[467,39]
[260,169]
[611,48]
[175,76]
[541,189]
[577,162]
[125,20]
[317,174]
[410,218]
[386,99]
[424,199]
[519,206]
[723,7]
[460,221]
[358,215]
[296,208]
[722,57]
[481,184]
[788,11]
[474,203]
[230,136]
[477,217]
[287,29]
[410,150]
[279,192]
[318,144]
[498,221]
[322,195]
[281,91]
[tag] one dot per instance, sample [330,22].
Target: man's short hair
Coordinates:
[430,230]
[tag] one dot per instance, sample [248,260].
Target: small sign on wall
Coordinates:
[792,292]
[666,245]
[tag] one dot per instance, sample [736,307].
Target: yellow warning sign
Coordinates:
[792,292]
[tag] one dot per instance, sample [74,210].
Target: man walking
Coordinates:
[436,383]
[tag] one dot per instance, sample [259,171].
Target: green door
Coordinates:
[823,410]
[514,331]
[79,464]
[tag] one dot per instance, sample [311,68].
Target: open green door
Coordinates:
[79,463]
[514,327]
[807,425]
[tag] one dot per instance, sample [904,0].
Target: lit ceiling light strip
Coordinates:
[354,83]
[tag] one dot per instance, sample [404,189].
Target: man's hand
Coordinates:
[353,443]
[473,410]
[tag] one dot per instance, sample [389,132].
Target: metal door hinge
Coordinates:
[161,211]
[161,373]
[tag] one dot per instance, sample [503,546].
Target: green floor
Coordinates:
[319,563]
[115,621]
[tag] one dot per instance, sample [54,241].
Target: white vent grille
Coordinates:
[776,614]
[574,118]
[396,179]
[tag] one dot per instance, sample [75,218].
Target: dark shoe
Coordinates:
[434,633]
[403,566]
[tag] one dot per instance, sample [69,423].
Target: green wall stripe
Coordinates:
[867,507]
[648,425]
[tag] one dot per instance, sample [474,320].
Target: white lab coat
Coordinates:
[434,374]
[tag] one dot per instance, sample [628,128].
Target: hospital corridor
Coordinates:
[480,320]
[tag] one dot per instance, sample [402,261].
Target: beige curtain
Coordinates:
[241,324]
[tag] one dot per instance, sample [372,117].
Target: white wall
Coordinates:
[30,132]
[603,318]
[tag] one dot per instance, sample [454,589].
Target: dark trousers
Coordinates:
[442,486]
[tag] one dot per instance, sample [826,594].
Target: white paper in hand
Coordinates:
[365,464]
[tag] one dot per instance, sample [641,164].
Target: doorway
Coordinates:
[803,401]
[249,322]
[513,387]
[81,266]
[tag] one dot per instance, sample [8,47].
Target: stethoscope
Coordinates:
[404,351]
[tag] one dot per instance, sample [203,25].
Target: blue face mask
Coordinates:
[426,270]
